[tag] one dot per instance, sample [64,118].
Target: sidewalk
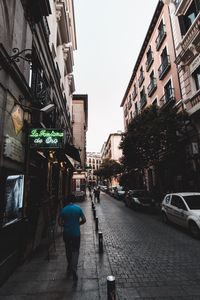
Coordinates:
[42,279]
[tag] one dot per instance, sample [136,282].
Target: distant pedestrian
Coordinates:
[90,192]
[95,192]
[71,217]
[98,194]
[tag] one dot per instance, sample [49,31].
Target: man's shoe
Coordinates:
[75,276]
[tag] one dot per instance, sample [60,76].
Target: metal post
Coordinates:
[111,294]
[100,242]
[94,213]
[96,223]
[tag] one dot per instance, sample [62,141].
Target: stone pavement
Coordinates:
[42,279]
[150,261]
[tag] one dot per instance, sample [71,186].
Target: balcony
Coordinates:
[190,42]
[152,87]
[141,79]
[168,98]
[36,10]
[164,67]
[143,101]
[129,104]
[193,104]
[149,62]
[134,94]
[160,38]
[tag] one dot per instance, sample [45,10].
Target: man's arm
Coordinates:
[83,220]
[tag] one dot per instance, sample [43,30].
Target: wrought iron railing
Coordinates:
[164,67]
[160,38]
[152,86]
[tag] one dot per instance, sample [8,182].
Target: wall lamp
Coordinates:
[25,54]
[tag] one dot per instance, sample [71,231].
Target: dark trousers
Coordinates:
[72,246]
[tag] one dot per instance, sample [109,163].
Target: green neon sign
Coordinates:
[46,138]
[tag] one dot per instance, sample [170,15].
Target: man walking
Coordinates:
[71,217]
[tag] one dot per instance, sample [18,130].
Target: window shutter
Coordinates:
[182,25]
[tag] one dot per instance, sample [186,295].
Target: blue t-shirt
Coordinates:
[71,215]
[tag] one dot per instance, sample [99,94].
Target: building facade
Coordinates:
[154,81]
[37,40]
[93,163]
[80,125]
[185,16]
[155,77]
[111,148]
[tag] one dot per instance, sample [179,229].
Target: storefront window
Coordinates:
[14,192]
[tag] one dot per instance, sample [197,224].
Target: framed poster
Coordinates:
[14,193]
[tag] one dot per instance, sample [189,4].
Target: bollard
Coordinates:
[96,223]
[94,213]
[111,295]
[100,242]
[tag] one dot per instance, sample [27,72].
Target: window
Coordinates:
[141,78]
[168,89]
[196,76]
[168,96]
[152,86]
[143,99]
[165,64]
[149,59]
[178,202]
[161,35]
[134,94]
[189,17]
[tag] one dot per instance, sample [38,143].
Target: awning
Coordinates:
[73,152]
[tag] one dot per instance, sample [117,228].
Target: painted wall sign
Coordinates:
[13,149]
[17,118]
[46,138]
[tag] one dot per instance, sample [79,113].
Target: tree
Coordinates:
[152,139]
[108,169]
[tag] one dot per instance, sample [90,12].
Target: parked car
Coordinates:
[119,192]
[138,199]
[104,188]
[111,191]
[184,210]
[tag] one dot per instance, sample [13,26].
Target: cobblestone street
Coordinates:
[147,257]
[150,260]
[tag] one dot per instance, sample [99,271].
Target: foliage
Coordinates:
[152,137]
[108,169]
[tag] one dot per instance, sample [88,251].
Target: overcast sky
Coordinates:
[110,34]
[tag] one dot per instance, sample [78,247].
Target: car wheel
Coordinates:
[165,218]
[194,230]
